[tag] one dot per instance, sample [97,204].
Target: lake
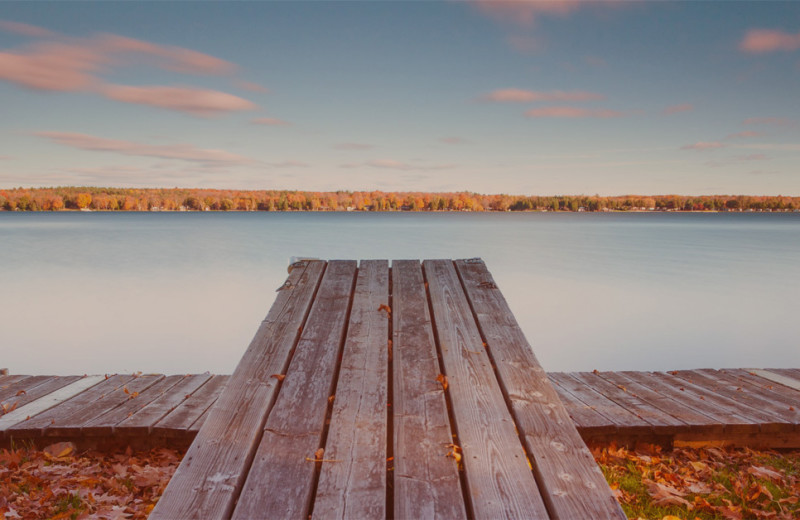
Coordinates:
[185,292]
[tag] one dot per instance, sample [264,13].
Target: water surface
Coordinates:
[185,292]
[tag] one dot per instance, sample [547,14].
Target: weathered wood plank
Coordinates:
[571,482]
[584,416]
[426,482]
[143,419]
[671,386]
[782,418]
[186,414]
[598,402]
[662,423]
[210,475]
[294,428]
[694,420]
[90,399]
[55,398]
[499,480]
[137,399]
[355,487]
[776,378]
[108,403]
[46,385]
[789,397]
[13,384]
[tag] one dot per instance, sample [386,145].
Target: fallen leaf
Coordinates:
[443,380]
[386,308]
[319,453]
[21,392]
[279,377]
[59,450]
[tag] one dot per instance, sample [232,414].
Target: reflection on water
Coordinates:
[185,292]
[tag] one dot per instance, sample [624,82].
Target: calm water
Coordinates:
[185,292]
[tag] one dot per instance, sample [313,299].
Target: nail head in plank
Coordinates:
[499,480]
[426,482]
[355,487]
[571,482]
[294,428]
[210,475]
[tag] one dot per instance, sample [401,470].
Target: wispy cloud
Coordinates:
[703,145]
[752,157]
[453,140]
[252,87]
[758,41]
[567,112]
[677,109]
[198,102]
[392,164]
[270,121]
[743,135]
[183,152]
[515,95]
[67,64]
[289,164]
[25,29]
[354,146]
[525,12]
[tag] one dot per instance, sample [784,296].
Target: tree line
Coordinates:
[177,199]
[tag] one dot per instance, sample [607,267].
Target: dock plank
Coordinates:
[355,487]
[13,384]
[426,482]
[210,475]
[694,420]
[662,422]
[776,377]
[499,479]
[137,399]
[284,461]
[571,483]
[46,385]
[91,399]
[143,419]
[584,416]
[185,415]
[46,402]
[782,418]
[776,392]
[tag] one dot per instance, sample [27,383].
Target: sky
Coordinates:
[545,98]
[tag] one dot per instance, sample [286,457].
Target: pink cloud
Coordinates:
[290,164]
[184,152]
[52,66]
[676,109]
[703,145]
[453,140]
[176,59]
[199,102]
[775,121]
[515,95]
[759,41]
[270,121]
[743,135]
[572,113]
[252,87]
[525,12]
[25,29]
[354,146]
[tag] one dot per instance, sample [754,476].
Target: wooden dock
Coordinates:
[405,392]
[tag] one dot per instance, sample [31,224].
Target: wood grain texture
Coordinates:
[186,414]
[572,484]
[672,387]
[136,400]
[584,416]
[90,399]
[145,417]
[694,420]
[661,422]
[499,480]
[618,414]
[208,480]
[46,385]
[355,487]
[294,428]
[789,382]
[776,418]
[46,402]
[776,392]
[426,481]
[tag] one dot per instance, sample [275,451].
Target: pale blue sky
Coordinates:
[524,98]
